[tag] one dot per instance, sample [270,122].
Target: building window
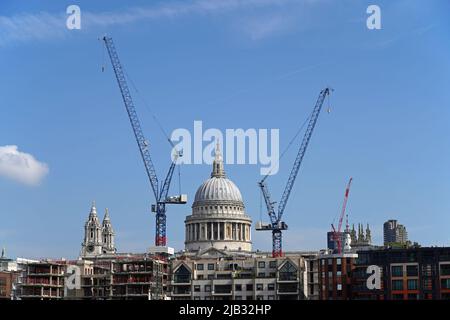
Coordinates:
[261,264]
[210,276]
[249,298]
[238,287]
[249,287]
[261,275]
[273,264]
[271,286]
[397,297]
[339,287]
[238,298]
[413,296]
[196,298]
[397,284]
[200,277]
[338,261]
[412,284]
[196,288]
[445,269]
[210,266]
[412,271]
[397,271]
[445,283]
[288,272]
[270,297]
[259,297]
[207,288]
[182,275]
[199,266]
[259,286]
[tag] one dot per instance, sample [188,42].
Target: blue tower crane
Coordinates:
[276,224]
[160,192]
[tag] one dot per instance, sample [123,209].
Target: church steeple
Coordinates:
[218,170]
[92,244]
[108,234]
[368,235]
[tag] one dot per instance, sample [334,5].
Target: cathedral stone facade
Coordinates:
[98,238]
[218,216]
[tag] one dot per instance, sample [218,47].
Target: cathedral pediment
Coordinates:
[212,253]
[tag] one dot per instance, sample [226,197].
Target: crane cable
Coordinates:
[164,132]
[291,142]
[147,106]
[296,135]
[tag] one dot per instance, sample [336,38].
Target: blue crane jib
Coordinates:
[276,224]
[160,192]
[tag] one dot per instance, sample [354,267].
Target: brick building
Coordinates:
[335,272]
[406,274]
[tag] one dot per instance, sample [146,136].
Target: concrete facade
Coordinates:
[219,275]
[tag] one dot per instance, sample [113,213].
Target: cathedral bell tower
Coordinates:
[108,235]
[92,244]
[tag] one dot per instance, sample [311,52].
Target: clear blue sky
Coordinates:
[246,64]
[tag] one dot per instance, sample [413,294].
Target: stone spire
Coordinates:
[218,170]
[93,212]
[107,235]
[368,235]
[360,233]
[353,234]
[106,218]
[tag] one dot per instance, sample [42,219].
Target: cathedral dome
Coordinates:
[218,216]
[217,189]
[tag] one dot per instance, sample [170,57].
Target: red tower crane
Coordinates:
[337,236]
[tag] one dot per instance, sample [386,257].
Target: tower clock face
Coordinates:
[90,248]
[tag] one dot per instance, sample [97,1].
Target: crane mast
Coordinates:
[277,225]
[337,233]
[160,192]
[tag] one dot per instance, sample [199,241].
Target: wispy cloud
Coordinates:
[266,26]
[416,32]
[44,25]
[21,166]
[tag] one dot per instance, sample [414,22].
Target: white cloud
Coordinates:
[21,166]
